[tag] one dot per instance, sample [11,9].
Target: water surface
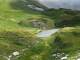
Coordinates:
[47,33]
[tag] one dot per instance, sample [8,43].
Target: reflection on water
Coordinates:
[69,4]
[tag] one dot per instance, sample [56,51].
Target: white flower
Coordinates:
[78,59]
[54,55]
[16,53]
[64,58]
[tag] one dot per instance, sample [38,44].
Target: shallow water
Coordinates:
[47,33]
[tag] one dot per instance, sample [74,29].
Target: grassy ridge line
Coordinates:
[10,17]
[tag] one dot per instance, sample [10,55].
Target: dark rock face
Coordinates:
[39,24]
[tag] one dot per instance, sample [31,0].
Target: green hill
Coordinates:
[18,32]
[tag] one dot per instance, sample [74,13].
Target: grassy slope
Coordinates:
[70,37]
[10,17]
[11,33]
[8,21]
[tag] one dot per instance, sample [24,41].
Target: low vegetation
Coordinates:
[20,24]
